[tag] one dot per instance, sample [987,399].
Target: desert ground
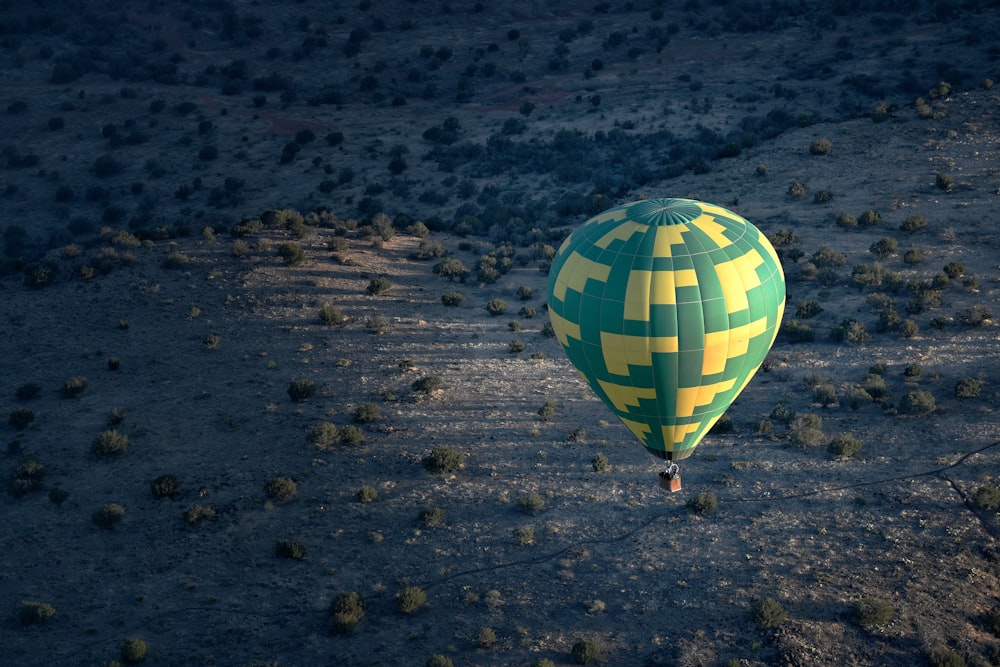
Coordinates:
[182,303]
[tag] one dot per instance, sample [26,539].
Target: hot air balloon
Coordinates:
[667,308]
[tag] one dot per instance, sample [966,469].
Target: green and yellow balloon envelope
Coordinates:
[667,307]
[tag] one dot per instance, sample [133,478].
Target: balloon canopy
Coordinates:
[667,307]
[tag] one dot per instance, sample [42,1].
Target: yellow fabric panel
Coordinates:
[676,434]
[759,326]
[622,397]
[717,351]
[620,232]
[580,270]
[709,226]
[733,287]
[610,214]
[739,340]
[637,295]
[684,277]
[563,328]
[666,236]
[690,397]
[619,350]
[640,429]
[663,290]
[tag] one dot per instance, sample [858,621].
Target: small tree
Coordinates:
[496,307]
[844,445]
[109,443]
[379,285]
[532,503]
[165,486]
[292,253]
[967,387]
[452,299]
[917,402]
[109,516]
[768,613]
[586,651]
[411,599]
[32,612]
[426,385]
[301,390]
[703,503]
[367,413]
[443,460]
[280,489]
[870,612]
[133,651]
[346,611]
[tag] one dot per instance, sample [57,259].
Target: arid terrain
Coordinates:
[251,290]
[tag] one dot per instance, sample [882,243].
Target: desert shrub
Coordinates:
[870,612]
[433,517]
[351,435]
[301,390]
[19,418]
[913,371]
[825,395]
[378,324]
[943,181]
[109,443]
[28,476]
[547,411]
[820,146]
[443,460]
[600,463]
[32,612]
[516,346]
[987,498]
[496,307]
[527,312]
[844,445]
[426,385]
[452,299]
[280,489]
[945,657]
[913,223]
[769,613]
[366,494]
[967,387]
[974,316]
[543,662]
[805,436]
[108,516]
[438,660]
[917,402]
[846,220]
[913,256]
[451,269]
[806,309]
[289,549]
[723,425]
[524,535]
[324,434]
[291,253]
[330,314]
[514,326]
[211,341]
[869,218]
[850,330]
[27,391]
[875,386]
[74,386]
[195,515]
[176,260]
[884,247]
[366,413]
[165,486]
[822,196]
[379,285]
[531,503]
[411,599]
[703,503]
[133,651]
[486,638]
[954,270]
[797,332]
[586,651]
[797,189]
[346,611]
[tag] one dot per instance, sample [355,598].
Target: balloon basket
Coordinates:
[670,481]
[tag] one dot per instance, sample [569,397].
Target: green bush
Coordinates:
[524,535]
[108,516]
[378,324]
[870,612]
[165,486]
[433,517]
[109,443]
[74,386]
[967,387]
[379,285]
[768,613]
[451,269]
[290,549]
[323,435]
[366,494]
[945,657]
[547,411]
[987,498]
[917,402]
[301,390]
[351,435]
[411,599]
[330,314]
[292,253]
[913,223]
[869,218]
[702,503]
[486,638]
[195,515]
[133,651]
[516,346]
[913,256]
[438,660]
[820,146]
[844,445]
[586,651]
[346,611]
[19,418]
[532,503]
[280,489]
[496,307]
[452,299]
[443,460]
[32,612]
[366,413]
[600,463]
[426,385]
[884,247]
